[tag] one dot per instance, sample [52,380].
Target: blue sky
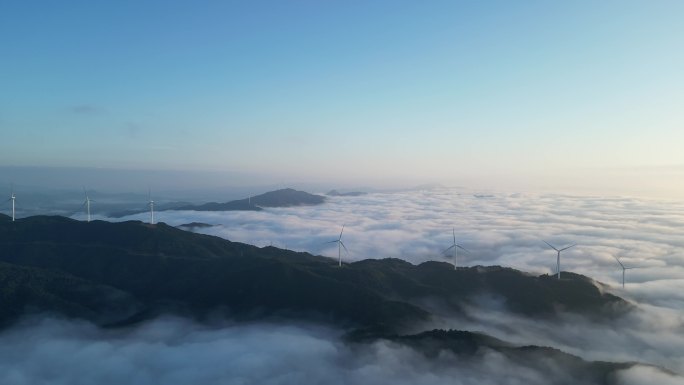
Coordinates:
[364,90]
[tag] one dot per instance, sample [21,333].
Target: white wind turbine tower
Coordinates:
[558,256]
[340,245]
[11,198]
[151,204]
[87,202]
[455,246]
[623,270]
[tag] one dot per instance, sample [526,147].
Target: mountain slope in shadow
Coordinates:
[168,269]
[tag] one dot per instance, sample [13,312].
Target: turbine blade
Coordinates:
[618,261]
[335,241]
[551,246]
[453,232]
[461,247]
[448,248]
[341,232]
[345,247]
[567,247]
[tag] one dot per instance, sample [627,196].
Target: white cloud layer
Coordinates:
[173,351]
[508,230]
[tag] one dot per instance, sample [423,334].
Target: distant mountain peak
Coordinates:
[286,197]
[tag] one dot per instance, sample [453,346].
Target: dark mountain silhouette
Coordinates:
[25,289]
[168,269]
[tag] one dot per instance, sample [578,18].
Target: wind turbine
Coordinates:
[151,204]
[11,198]
[340,245]
[558,257]
[623,270]
[455,246]
[87,202]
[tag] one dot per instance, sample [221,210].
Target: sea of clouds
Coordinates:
[505,229]
[174,351]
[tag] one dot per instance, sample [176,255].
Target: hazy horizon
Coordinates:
[578,96]
[654,182]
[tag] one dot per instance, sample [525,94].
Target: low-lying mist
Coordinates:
[646,334]
[177,351]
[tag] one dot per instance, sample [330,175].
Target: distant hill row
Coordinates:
[280,198]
